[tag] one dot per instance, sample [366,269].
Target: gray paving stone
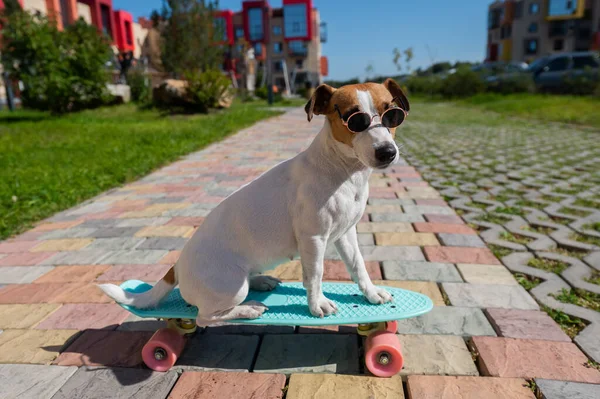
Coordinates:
[134,257]
[366,239]
[109,232]
[99,223]
[143,222]
[135,323]
[428,209]
[461,240]
[22,274]
[421,271]
[167,200]
[489,296]
[195,210]
[94,207]
[168,243]
[308,353]
[117,383]
[32,381]
[75,232]
[552,389]
[390,201]
[397,217]
[383,253]
[219,352]
[115,244]
[448,320]
[77,258]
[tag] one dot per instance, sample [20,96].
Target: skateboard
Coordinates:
[287,305]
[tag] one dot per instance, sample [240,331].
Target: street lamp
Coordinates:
[268,50]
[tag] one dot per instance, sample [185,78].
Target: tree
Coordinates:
[408,56]
[11,6]
[369,70]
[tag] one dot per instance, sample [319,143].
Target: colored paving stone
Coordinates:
[443,228]
[84,257]
[460,240]
[56,226]
[489,296]
[209,352]
[228,385]
[460,255]
[290,271]
[32,381]
[68,274]
[336,270]
[526,324]
[25,258]
[115,244]
[164,231]
[383,227]
[105,348]
[308,353]
[68,244]
[436,354]
[379,253]
[444,219]
[442,387]
[17,246]
[486,274]
[396,217]
[168,243]
[424,287]
[83,316]
[22,274]
[418,239]
[148,273]
[24,316]
[328,386]
[33,346]
[422,271]
[525,358]
[170,258]
[32,293]
[149,256]
[116,383]
[552,389]
[448,320]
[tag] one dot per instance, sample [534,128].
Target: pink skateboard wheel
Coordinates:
[391,326]
[383,356]
[162,350]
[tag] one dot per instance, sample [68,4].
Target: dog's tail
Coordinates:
[146,299]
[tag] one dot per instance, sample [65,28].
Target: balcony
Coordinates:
[297,48]
[323,30]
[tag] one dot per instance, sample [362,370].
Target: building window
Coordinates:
[258,50]
[128,37]
[239,32]
[277,30]
[558,45]
[64,12]
[278,66]
[255,22]
[295,21]
[299,64]
[105,13]
[534,8]
[505,31]
[519,9]
[277,48]
[220,29]
[297,47]
[558,28]
[533,27]
[531,46]
[494,17]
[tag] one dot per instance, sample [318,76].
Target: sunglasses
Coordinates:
[360,121]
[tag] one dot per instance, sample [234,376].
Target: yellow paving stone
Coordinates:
[408,239]
[383,209]
[67,244]
[24,316]
[190,233]
[33,346]
[336,386]
[56,226]
[384,227]
[287,271]
[424,287]
[164,231]
[154,210]
[378,183]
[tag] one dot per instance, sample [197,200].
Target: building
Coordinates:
[290,36]
[523,30]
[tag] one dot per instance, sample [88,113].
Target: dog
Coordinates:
[295,208]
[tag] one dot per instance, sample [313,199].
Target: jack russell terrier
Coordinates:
[297,207]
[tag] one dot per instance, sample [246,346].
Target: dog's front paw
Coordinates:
[377,295]
[322,307]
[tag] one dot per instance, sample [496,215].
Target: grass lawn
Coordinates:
[49,164]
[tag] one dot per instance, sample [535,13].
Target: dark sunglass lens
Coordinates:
[392,118]
[359,122]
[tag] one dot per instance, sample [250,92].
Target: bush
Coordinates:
[462,83]
[582,85]
[521,83]
[139,83]
[61,71]
[426,85]
[263,93]
[206,89]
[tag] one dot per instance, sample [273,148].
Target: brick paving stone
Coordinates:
[552,389]
[31,293]
[436,354]
[486,274]
[427,209]
[461,255]
[308,353]
[333,386]
[366,239]
[146,256]
[142,222]
[168,243]
[443,228]
[186,221]
[424,287]
[136,323]
[489,296]
[526,324]
[32,381]
[289,271]
[56,226]
[82,316]
[85,257]
[396,217]
[115,232]
[461,240]
[10,247]
[383,227]
[164,231]
[170,258]
[415,239]
[33,346]
[105,348]
[80,293]
[450,387]
[209,352]
[390,208]
[117,383]
[24,316]
[75,232]
[228,385]
[68,274]
[379,253]
[421,271]
[149,273]
[115,244]
[336,270]
[446,219]
[525,358]
[67,244]
[434,202]
[22,274]
[448,320]
[25,258]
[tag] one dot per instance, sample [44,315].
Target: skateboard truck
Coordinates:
[183,326]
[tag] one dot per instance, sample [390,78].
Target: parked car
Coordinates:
[488,69]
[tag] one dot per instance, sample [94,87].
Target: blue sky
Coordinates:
[363,32]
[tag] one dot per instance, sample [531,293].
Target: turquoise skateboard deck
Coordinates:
[287,305]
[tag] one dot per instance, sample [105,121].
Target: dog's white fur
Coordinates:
[297,207]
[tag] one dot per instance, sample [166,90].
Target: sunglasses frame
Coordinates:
[345,123]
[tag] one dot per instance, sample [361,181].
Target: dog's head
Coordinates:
[374,146]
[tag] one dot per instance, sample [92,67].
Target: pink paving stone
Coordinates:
[186,221]
[336,270]
[30,293]
[26,258]
[447,219]
[105,348]
[383,194]
[402,169]
[57,226]
[9,247]
[403,174]
[526,324]
[84,316]
[403,184]
[443,228]
[148,273]
[433,202]
[28,236]
[170,258]
[481,256]
[451,387]
[214,385]
[101,215]
[364,217]
[526,358]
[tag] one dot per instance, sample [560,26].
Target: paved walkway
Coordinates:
[485,338]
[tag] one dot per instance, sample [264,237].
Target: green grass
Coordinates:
[565,109]
[574,212]
[593,226]
[579,297]
[586,239]
[516,238]
[498,251]
[571,325]
[594,278]
[549,265]
[49,164]
[526,281]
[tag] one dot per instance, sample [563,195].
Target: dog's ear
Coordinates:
[319,101]
[396,91]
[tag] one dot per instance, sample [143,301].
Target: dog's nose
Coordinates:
[385,153]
